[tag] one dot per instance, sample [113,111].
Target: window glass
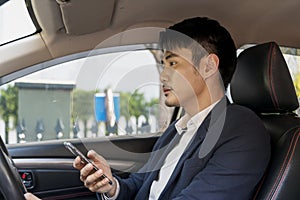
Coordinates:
[15,21]
[292,58]
[105,95]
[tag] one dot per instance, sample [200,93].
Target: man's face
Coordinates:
[181,80]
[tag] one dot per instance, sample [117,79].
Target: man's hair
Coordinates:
[212,37]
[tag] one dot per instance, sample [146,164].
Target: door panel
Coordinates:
[50,163]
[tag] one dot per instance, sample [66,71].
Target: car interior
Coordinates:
[77,49]
[262,82]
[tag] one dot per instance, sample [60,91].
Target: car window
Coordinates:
[111,94]
[292,58]
[15,21]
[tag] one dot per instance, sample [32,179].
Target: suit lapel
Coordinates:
[191,148]
[195,145]
[152,164]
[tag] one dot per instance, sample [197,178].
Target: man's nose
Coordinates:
[163,75]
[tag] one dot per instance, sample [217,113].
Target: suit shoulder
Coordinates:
[244,121]
[242,112]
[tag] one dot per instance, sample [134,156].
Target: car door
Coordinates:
[109,101]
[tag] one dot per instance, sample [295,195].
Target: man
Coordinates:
[222,149]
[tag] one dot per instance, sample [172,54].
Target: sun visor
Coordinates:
[86,16]
[145,35]
[154,38]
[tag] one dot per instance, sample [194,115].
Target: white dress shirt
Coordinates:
[186,126]
[173,157]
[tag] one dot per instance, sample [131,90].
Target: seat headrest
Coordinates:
[262,80]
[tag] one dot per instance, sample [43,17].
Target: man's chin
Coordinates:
[171,104]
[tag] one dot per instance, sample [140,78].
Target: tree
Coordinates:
[294,60]
[135,105]
[154,109]
[83,106]
[9,107]
[124,102]
[297,84]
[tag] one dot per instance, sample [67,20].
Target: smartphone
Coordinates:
[84,159]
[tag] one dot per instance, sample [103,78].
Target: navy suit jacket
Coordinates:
[225,159]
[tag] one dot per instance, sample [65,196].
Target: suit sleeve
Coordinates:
[127,188]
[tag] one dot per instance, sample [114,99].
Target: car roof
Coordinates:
[69,27]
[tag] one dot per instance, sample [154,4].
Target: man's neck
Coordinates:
[193,108]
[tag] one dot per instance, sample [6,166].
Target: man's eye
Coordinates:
[173,63]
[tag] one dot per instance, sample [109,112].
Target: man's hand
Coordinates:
[29,196]
[91,179]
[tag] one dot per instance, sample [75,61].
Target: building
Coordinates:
[50,117]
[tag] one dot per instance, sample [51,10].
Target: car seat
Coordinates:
[262,82]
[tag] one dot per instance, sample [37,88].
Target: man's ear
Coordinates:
[211,66]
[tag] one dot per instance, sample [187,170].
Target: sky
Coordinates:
[126,71]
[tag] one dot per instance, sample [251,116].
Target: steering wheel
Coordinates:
[3,147]
[11,184]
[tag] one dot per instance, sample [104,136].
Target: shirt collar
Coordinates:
[186,123]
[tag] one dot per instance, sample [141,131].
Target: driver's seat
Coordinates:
[263,83]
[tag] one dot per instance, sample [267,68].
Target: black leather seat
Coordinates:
[263,83]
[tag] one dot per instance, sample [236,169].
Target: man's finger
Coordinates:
[100,185]
[85,171]
[93,178]
[77,163]
[29,196]
[95,182]
[93,155]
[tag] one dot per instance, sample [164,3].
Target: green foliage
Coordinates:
[153,109]
[136,105]
[130,105]
[83,106]
[289,50]
[124,102]
[9,106]
[294,65]
[297,84]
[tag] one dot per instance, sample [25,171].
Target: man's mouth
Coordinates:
[166,90]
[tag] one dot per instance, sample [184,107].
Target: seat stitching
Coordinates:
[259,187]
[287,166]
[283,169]
[271,82]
